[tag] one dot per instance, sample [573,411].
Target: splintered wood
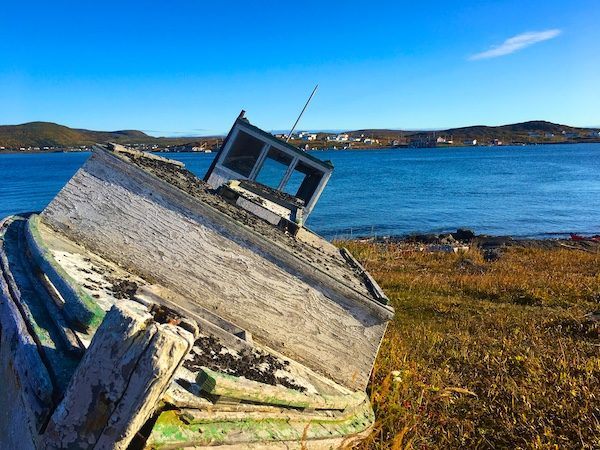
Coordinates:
[119,382]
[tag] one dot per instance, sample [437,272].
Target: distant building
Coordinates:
[306,136]
[421,141]
[440,140]
[470,142]
[344,137]
[549,135]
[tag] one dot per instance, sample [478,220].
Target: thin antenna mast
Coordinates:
[301,112]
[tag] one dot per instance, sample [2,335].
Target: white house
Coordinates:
[371,141]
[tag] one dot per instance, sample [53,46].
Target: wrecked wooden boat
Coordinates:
[147,308]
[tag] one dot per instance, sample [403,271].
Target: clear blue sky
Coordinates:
[170,67]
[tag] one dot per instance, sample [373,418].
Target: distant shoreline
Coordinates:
[440,147]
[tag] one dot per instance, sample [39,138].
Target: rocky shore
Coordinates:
[491,246]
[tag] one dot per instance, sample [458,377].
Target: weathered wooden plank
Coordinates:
[22,366]
[232,336]
[119,381]
[33,302]
[229,386]
[192,249]
[369,280]
[79,307]
[147,384]
[172,430]
[239,413]
[179,397]
[101,379]
[315,444]
[47,291]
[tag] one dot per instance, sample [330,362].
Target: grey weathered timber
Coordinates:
[26,389]
[119,382]
[227,386]
[321,317]
[149,381]
[208,322]
[35,306]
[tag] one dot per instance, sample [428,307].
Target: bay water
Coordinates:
[531,191]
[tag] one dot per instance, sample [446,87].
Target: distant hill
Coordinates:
[536,131]
[48,134]
[516,131]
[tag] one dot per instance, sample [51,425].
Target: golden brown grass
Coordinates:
[486,354]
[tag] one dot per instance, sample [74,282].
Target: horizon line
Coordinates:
[183,134]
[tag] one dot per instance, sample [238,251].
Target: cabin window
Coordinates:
[274,167]
[294,182]
[243,154]
[304,181]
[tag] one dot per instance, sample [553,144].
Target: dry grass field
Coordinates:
[500,354]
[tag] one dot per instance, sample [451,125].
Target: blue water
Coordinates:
[520,191]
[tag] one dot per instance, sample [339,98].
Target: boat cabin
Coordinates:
[295,178]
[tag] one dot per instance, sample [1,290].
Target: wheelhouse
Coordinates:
[249,153]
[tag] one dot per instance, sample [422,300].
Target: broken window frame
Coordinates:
[270,142]
[232,160]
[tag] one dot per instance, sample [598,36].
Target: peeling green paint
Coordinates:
[91,314]
[171,429]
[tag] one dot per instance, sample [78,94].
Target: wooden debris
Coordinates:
[227,386]
[119,381]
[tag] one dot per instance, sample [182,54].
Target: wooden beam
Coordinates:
[119,382]
[229,386]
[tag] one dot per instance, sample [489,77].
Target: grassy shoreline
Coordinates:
[487,354]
